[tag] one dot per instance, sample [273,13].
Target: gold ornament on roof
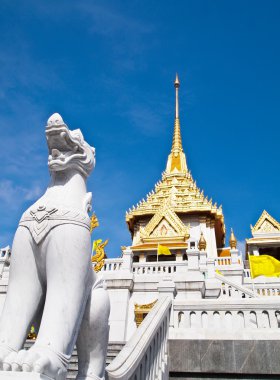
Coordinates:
[202,242]
[266,223]
[232,240]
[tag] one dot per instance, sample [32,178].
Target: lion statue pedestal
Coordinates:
[52,284]
[12,375]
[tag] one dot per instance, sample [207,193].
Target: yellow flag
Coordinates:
[162,250]
[264,265]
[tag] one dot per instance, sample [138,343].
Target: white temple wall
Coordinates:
[213,248]
[201,224]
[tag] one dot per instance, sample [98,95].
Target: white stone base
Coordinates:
[12,375]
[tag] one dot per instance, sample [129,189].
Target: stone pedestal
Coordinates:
[12,375]
[127,260]
[167,287]
[193,256]
[234,253]
[202,260]
[210,267]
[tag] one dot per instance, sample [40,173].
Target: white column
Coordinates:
[193,255]
[202,260]
[167,287]
[142,258]
[127,260]
[234,253]
[211,267]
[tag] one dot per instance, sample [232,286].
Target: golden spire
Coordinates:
[177,140]
[232,240]
[176,163]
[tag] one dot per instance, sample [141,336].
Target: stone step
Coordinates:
[113,350]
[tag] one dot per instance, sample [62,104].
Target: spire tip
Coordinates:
[176,82]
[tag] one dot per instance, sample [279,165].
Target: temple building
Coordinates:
[176,213]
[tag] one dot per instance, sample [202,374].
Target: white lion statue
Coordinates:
[52,284]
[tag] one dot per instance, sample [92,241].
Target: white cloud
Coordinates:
[12,195]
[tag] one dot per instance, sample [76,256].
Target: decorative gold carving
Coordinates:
[232,240]
[99,257]
[266,223]
[32,334]
[141,311]
[93,222]
[164,213]
[202,243]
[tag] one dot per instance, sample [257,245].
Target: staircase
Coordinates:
[113,349]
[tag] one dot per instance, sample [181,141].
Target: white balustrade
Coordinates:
[223,261]
[112,265]
[232,289]
[5,258]
[227,262]
[270,291]
[144,357]
[228,317]
[246,273]
[161,267]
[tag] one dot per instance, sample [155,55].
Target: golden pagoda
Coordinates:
[176,212]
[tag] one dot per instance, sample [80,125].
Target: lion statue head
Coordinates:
[68,149]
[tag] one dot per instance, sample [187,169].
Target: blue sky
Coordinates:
[108,68]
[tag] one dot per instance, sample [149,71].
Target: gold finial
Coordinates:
[232,240]
[177,85]
[202,242]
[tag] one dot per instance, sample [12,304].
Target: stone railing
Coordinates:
[231,289]
[5,254]
[162,267]
[223,261]
[144,357]
[112,265]
[226,262]
[269,291]
[263,286]
[246,273]
[216,316]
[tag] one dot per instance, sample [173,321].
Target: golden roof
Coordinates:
[266,224]
[177,189]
